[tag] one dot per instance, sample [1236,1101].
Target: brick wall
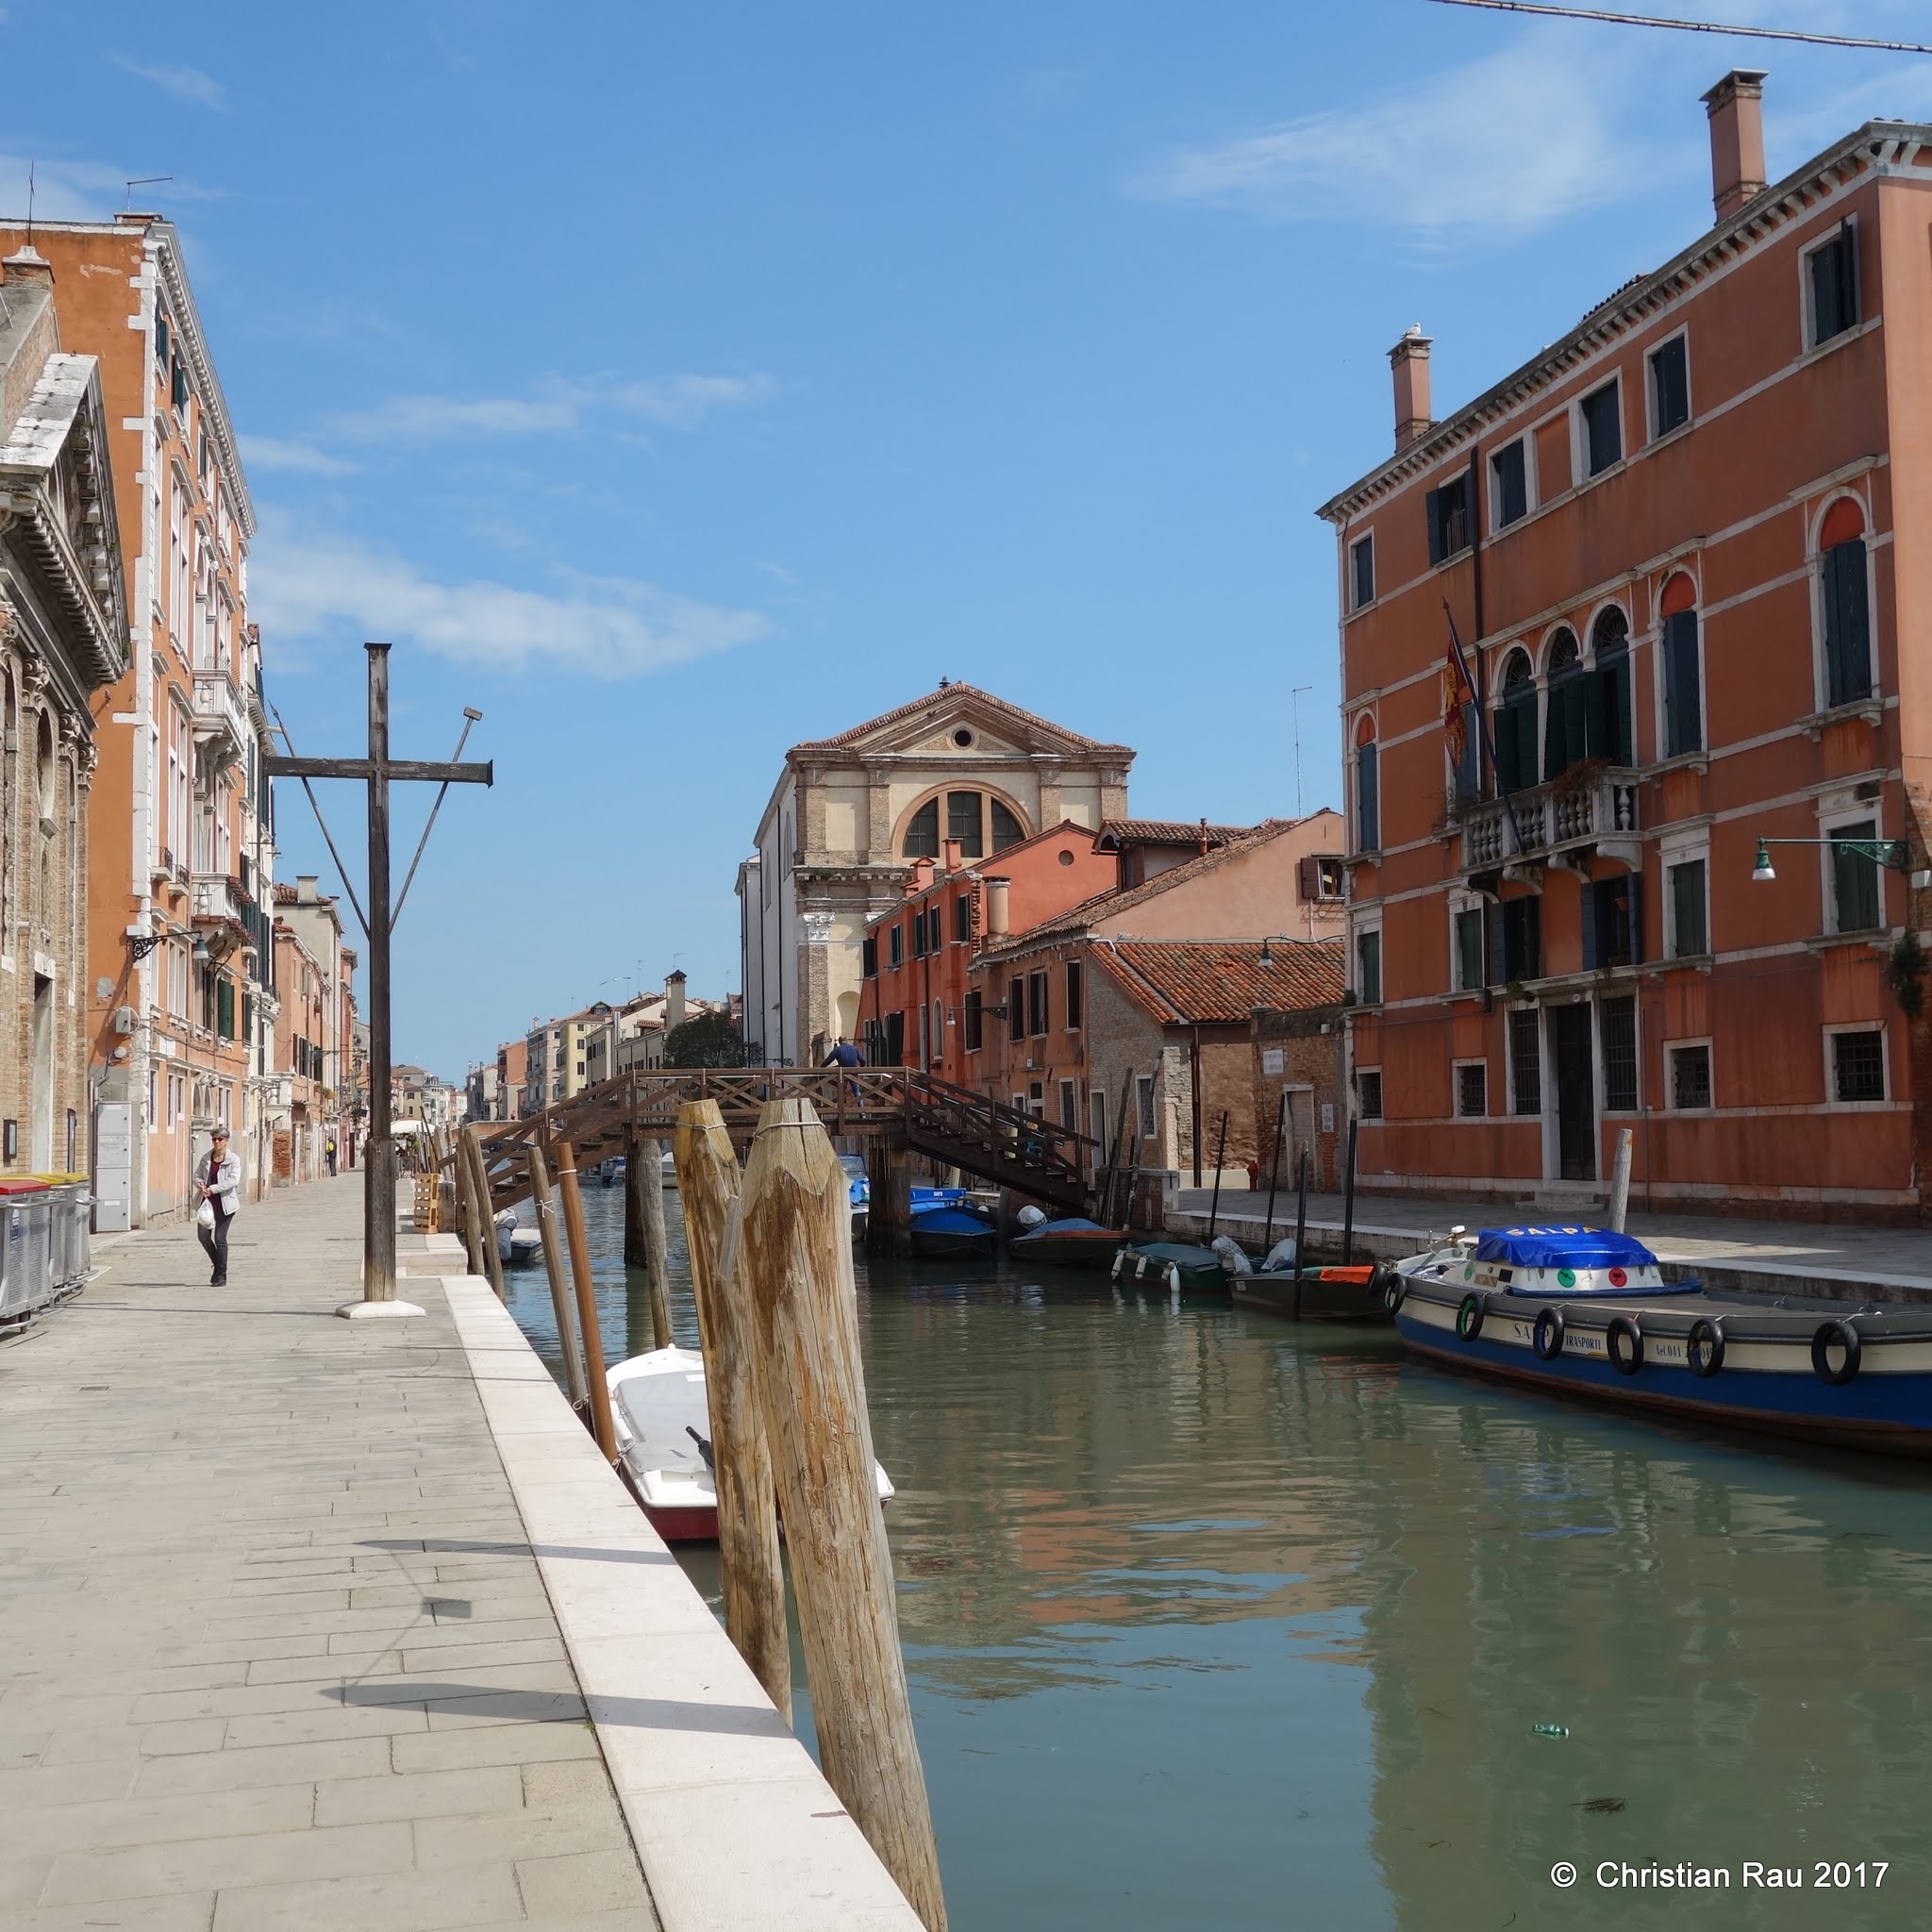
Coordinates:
[1290,1050]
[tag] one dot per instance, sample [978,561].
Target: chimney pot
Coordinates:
[995,908]
[1736,107]
[305,888]
[952,853]
[1410,359]
[28,265]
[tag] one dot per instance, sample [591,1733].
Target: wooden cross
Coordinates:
[378,770]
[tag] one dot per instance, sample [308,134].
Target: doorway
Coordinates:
[40,1081]
[1576,1084]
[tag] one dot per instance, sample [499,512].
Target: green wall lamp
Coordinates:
[1894,854]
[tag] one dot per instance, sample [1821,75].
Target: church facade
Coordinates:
[957,767]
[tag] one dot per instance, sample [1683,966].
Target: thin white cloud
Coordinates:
[184,83]
[558,405]
[1512,141]
[272,453]
[304,586]
[63,191]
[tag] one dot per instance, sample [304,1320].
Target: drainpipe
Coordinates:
[1475,643]
[1194,1069]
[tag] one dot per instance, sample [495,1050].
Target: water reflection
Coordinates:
[1215,1622]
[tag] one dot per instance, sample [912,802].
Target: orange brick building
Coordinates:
[1682,551]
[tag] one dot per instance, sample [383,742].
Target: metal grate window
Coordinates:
[1368,1087]
[1472,1089]
[1858,1065]
[1525,1062]
[1691,1076]
[1617,1027]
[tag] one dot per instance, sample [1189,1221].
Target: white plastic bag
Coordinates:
[206,1218]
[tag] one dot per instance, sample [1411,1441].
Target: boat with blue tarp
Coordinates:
[1587,1312]
[940,1230]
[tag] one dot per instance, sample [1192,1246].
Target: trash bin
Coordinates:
[25,1246]
[69,1206]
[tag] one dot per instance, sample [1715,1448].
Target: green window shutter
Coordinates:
[1682,703]
[1856,879]
[1847,624]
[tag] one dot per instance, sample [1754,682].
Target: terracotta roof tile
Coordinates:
[1169,832]
[1211,981]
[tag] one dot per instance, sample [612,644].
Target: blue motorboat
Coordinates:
[1587,1312]
[940,1230]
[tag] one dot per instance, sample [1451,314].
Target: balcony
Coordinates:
[221,719]
[1588,808]
[221,910]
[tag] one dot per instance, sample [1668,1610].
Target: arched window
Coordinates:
[981,823]
[1368,789]
[1845,604]
[1610,647]
[1516,725]
[1683,683]
[1565,735]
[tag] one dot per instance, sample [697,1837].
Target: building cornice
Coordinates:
[1879,147]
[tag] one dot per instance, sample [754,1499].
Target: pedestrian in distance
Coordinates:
[220,1193]
[847,1055]
[328,1153]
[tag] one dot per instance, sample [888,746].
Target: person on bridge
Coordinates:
[847,1055]
[221,1188]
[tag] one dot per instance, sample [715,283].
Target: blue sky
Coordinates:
[672,384]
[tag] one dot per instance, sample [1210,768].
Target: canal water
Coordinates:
[1214,1621]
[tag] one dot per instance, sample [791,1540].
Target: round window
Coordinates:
[962,737]
[1066,857]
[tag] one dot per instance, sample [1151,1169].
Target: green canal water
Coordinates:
[1213,1621]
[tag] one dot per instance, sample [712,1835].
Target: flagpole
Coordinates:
[1482,723]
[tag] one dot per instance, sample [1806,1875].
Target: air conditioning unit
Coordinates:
[123,1019]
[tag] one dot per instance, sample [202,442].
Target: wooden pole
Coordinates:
[479,1169]
[637,1252]
[471,1213]
[1275,1173]
[600,1425]
[550,1225]
[1301,1225]
[797,1251]
[657,1249]
[380,1179]
[1220,1155]
[752,1571]
[1348,1194]
[1620,1181]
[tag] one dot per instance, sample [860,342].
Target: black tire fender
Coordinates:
[1841,1334]
[1469,1317]
[1703,1348]
[1546,1339]
[1624,1327]
[1394,1289]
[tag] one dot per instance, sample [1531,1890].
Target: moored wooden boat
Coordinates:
[1070,1243]
[1587,1313]
[1179,1267]
[517,1247]
[1335,1294]
[663,1440]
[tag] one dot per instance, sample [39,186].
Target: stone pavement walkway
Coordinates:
[239,1692]
[1776,1252]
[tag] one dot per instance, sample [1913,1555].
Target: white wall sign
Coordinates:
[1328,1116]
[1271,1060]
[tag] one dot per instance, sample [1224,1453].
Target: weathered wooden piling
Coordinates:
[797,1261]
[888,1214]
[550,1225]
[636,1254]
[1620,1181]
[471,1151]
[1301,1224]
[1274,1172]
[600,1425]
[752,1570]
[649,1156]
[472,1211]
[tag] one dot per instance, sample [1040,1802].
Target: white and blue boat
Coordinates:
[1587,1312]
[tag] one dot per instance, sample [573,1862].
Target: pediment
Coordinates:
[930,726]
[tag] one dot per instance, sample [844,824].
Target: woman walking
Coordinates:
[221,1190]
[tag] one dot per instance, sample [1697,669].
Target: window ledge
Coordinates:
[1673,435]
[1698,761]
[1871,709]
[1685,962]
[1878,938]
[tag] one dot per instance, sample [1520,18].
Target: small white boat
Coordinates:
[516,1246]
[664,1438]
[667,1169]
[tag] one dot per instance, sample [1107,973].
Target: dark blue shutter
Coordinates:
[1368,814]
[1847,623]
[1432,503]
[1681,699]
[1505,747]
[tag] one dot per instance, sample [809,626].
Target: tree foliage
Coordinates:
[713,1039]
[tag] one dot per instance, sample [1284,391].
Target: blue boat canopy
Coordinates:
[1562,1247]
[1072,1224]
[944,1220]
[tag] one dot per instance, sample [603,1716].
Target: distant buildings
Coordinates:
[849,812]
[306,1108]
[1682,549]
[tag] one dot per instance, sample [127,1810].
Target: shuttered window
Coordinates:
[1516,719]
[1609,924]
[1832,272]
[974,1020]
[963,918]
[1471,959]
[1603,433]
[1076,993]
[1362,558]
[1683,700]
[1509,480]
[1368,800]
[1036,1003]
[1690,918]
[1670,386]
[1565,730]
[1847,624]
[1516,939]
[1447,510]
[869,958]
[1368,961]
[1855,879]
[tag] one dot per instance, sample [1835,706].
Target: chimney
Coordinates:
[1736,106]
[28,265]
[674,1000]
[1410,359]
[305,888]
[996,908]
[952,853]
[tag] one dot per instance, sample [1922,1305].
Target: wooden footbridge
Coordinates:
[894,1111]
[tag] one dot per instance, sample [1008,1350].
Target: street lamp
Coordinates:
[1894,854]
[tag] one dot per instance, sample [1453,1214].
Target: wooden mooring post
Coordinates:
[471,1151]
[1348,1193]
[550,1225]
[600,1425]
[1620,1182]
[752,1570]
[1301,1225]
[1275,1173]
[650,1199]
[472,1209]
[797,1264]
